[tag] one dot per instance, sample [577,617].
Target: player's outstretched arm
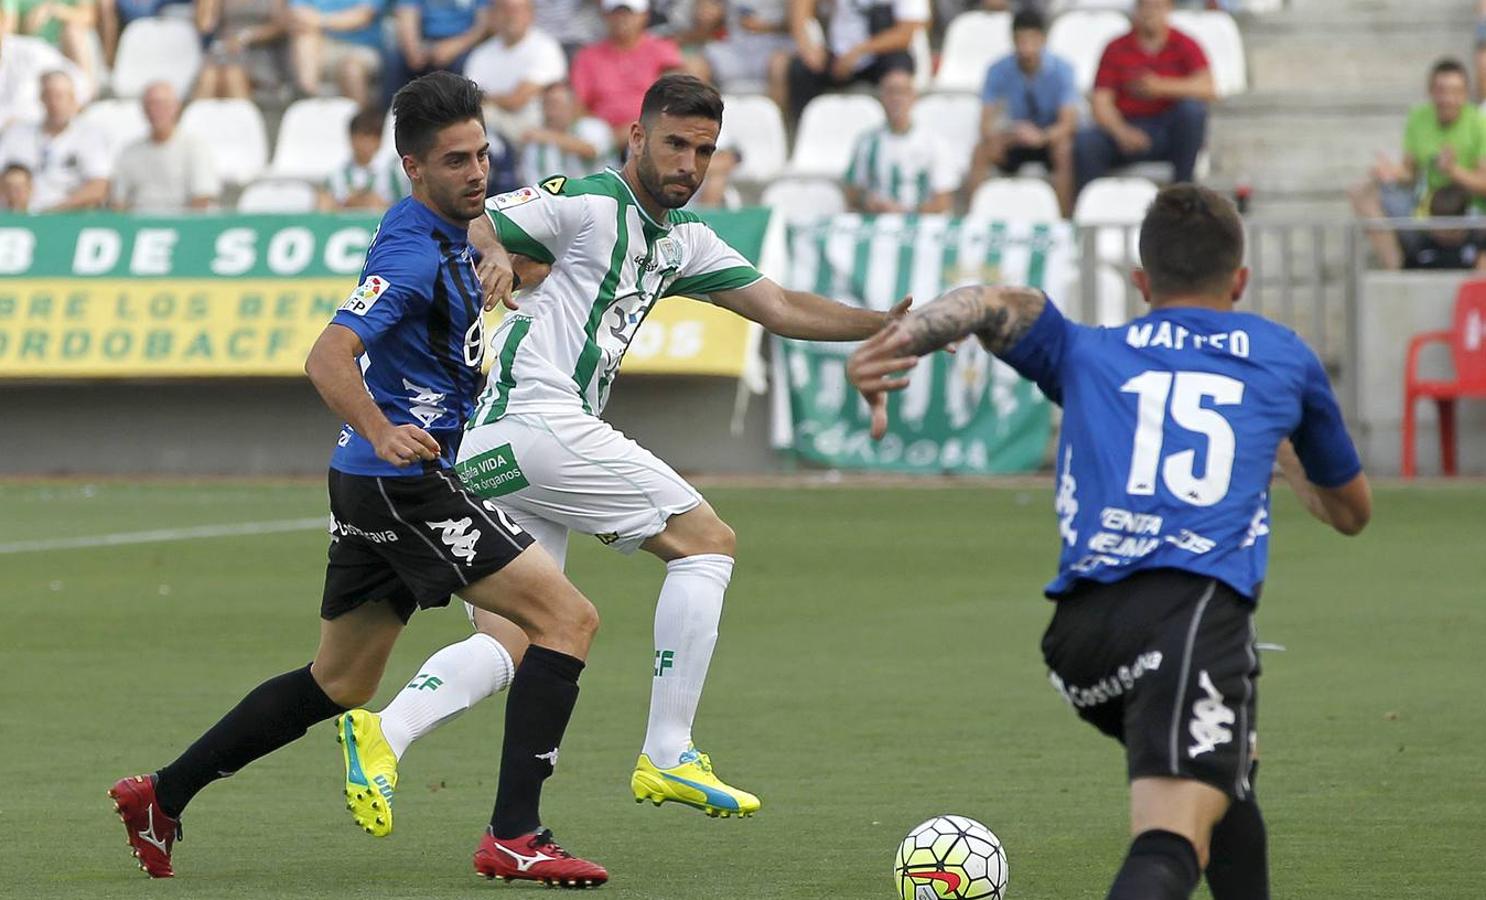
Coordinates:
[1346,507]
[803,315]
[333,370]
[497,278]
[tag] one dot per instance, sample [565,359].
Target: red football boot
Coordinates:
[151,832]
[535,857]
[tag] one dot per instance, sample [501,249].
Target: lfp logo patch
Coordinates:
[366,295]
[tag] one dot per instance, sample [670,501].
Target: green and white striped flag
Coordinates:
[966,413]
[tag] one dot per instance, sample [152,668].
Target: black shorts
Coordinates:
[1016,157]
[1165,662]
[410,541]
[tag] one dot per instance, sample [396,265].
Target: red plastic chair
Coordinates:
[1467,342]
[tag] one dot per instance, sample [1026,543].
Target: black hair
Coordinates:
[427,104]
[1028,20]
[16,167]
[1448,65]
[1450,200]
[368,120]
[681,95]
[1191,241]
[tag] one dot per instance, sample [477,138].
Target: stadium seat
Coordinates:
[828,132]
[972,42]
[277,195]
[313,138]
[1467,343]
[1121,6]
[754,126]
[156,49]
[955,119]
[1015,200]
[234,130]
[1081,36]
[1117,204]
[1218,35]
[800,200]
[122,122]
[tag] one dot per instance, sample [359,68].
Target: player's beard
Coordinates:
[655,186]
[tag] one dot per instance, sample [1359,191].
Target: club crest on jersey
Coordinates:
[513,198]
[668,253]
[367,293]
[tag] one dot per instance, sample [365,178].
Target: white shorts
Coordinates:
[575,471]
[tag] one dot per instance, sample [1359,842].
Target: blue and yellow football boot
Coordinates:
[371,770]
[692,782]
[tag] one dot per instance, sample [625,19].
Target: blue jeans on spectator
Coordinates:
[1176,137]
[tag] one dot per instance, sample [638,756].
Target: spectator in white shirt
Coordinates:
[15,188]
[514,67]
[169,171]
[23,60]
[565,144]
[68,161]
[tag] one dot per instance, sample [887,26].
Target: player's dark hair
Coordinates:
[1450,200]
[1191,241]
[368,120]
[428,104]
[1448,65]
[681,95]
[1028,20]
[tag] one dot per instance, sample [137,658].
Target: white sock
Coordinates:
[448,683]
[686,619]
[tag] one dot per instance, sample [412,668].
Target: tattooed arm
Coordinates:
[998,316]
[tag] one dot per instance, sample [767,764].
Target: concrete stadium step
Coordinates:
[1311,54]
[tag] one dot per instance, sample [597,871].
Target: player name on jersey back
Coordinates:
[1154,335]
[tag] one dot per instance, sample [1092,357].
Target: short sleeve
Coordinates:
[549,65]
[582,78]
[1413,135]
[394,283]
[911,10]
[859,170]
[996,84]
[1325,449]
[1067,83]
[1039,355]
[95,160]
[1107,75]
[536,222]
[1193,56]
[710,263]
[667,55]
[202,180]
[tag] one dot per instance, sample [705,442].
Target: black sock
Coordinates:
[1239,865]
[537,712]
[1160,866]
[273,714]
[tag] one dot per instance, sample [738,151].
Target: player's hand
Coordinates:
[878,367]
[403,445]
[900,309]
[497,278]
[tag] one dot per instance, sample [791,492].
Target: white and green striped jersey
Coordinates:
[909,168]
[383,177]
[540,159]
[562,349]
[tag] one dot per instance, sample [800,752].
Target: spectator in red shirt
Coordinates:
[610,77]
[1150,99]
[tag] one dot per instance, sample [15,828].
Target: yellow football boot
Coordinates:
[692,782]
[371,770]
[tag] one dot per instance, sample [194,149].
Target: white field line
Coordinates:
[163,535]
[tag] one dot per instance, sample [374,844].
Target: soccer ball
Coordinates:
[951,858]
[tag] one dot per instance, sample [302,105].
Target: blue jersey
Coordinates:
[1170,428]
[417,310]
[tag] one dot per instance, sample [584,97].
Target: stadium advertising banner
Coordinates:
[104,295]
[966,413]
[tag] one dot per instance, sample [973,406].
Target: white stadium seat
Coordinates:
[156,50]
[972,42]
[1015,200]
[755,128]
[234,130]
[828,132]
[800,200]
[278,195]
[955,119]
[122,122]
[1218,35]
[1121,6]
[1116,203]
[1081,36]
[314,137]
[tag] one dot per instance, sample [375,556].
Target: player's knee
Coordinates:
[721,539]
[347,689]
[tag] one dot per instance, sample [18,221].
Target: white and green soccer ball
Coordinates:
[951,858]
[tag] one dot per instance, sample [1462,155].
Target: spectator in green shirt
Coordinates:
[1444,144]
[64,24]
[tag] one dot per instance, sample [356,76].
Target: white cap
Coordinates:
[636,5]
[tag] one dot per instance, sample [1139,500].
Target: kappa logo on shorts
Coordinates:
[607,538]
[1209,716]
[458,537]
[366,295]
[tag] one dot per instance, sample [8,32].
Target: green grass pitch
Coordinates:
[878,664]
